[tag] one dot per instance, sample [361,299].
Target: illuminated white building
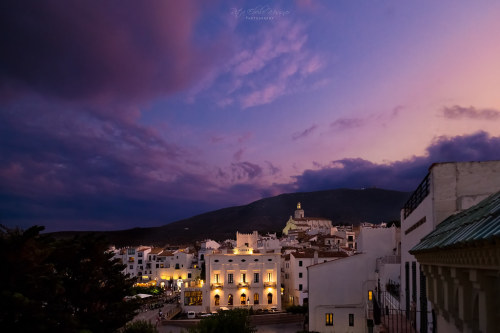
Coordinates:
[156,266]
[240,277]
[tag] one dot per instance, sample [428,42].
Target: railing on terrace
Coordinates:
[418,196]
[216,285]
[396,320]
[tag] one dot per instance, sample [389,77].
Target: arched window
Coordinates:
[270,298]
[230,299]
[217,300]
[243,299]
[255,298]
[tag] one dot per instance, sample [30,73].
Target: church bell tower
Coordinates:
[299,213]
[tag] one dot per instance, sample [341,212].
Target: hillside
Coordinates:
[342,206]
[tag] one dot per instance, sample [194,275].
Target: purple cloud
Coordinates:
[342,124]
[401,175]
[237,156]
[102,51]
[304,133]
[460,112]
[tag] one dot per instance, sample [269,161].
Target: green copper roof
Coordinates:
[480,222]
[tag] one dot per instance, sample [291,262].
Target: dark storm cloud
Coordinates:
[78,171]
[100,50]
[402,175]
[460,112]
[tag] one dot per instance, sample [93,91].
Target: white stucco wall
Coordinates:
[341,286]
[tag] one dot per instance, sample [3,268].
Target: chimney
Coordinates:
[315,257]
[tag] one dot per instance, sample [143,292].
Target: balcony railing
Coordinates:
[216,285]
[243,285]
[270,284]
[417,196]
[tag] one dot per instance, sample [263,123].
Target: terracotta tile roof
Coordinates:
[156,250]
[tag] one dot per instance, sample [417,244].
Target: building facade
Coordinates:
[461,261]
[242,277]
[342,293]
[295,278]
[447,189]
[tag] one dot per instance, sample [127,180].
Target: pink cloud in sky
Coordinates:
[274,62]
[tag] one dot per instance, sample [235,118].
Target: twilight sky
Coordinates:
[119,113]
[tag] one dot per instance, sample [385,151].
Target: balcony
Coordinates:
[216,285]
[243,285]
[270,284]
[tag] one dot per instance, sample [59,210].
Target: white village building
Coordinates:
[342,292]
[447,189]
[240,277]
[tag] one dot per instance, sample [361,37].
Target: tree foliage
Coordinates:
[236,320]
[139,326]
[70,285]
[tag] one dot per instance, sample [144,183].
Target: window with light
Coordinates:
[329,319]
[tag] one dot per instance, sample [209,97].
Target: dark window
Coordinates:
[177,266]
[300,263]
[255,298]
[230,278]
[269,259]
[256,277]
[351,319]
[423,301]
[414,281]
[256,260]
[216,260]
[243,260]
[270,298]
[300,275]
[189,275]
[139,261]
[407,289]
[230,260]
[217,300]
[300,286]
